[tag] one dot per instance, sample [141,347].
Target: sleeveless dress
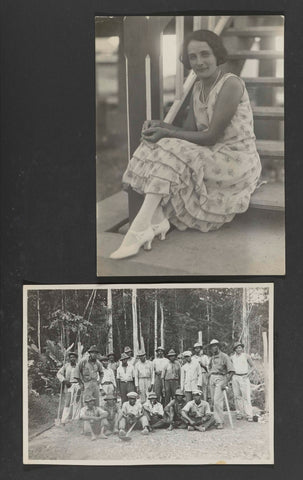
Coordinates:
[203,187]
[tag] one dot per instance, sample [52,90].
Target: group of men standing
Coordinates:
[165,392]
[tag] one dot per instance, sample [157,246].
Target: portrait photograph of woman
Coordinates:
[190,145]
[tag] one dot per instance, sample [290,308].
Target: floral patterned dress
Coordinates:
[203,187]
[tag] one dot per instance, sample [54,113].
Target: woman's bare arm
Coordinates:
[225,108]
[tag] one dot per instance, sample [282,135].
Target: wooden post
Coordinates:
[142,38]
[265,361]
[110,345]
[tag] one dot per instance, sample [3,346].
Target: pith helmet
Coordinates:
[92,349]
[179,392]
[160,348]
[127,350]
[73,353]
[171,353]
[187,353]
[141,353]
[197,392]
[237,344]
[124,356]
[214,342]
[197,344]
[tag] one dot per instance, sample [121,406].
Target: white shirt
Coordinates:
[125,374]
[190,376]
[159,364]
[143,370]
[128,409]
[240,363]
[156,408]
[108,376]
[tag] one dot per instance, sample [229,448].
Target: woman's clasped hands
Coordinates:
[154,130]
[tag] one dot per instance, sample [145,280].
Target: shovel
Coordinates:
[228,409]
[58,419]
[125,436]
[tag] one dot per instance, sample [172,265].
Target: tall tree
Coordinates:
[110,343]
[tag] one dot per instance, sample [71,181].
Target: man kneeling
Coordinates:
[197,413]
[173,411]
[94,418]
[132,412]
[154,412]
[113,411]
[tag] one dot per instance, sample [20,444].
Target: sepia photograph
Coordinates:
[148,375]
[190,145]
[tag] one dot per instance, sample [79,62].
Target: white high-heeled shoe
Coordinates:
[141,238]
[161,229]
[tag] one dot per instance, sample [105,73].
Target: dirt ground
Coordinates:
[246,443]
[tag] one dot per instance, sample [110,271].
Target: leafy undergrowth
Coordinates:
[42,411]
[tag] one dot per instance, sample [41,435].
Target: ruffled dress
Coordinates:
[202,187]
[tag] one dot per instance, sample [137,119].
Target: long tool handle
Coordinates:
[133,426]
[228,409]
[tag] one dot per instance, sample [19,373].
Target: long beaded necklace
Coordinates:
[202,96]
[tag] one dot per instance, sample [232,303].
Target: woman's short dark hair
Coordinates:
[213,40]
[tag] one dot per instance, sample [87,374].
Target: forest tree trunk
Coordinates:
[135,322]
[110,344]
[39,322]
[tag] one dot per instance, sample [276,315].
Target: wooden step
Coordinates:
[268,112]
[252,244]
[270,148]
[256,31]
[269,196]
[256,54]
[264,81]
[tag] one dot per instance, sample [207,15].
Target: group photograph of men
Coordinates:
[184,394]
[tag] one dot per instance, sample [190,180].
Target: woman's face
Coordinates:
[202,59]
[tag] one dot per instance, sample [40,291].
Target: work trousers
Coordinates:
[112,423]
[217,395]
[94,427]
[144,387]
[158,387]
[241,390]
[125,388]
[108,388]
[92,388]
[155,421]
[204,386]
[70,403]
[205,422]
[170,389]
[125,424]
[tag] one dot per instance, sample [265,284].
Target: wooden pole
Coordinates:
[110,344]
[265,361]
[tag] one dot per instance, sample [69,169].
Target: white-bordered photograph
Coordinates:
[190,145]
[148,375]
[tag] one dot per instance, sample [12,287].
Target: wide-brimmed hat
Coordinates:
[73,353]
[110,353]
[127,349]
[214,342]
[197,392]
[103,358]
[89,397]
[179,392]
[92,349]
[151,395]
[132,395]
[171,353]
[110,397]
[160,348]
[141,353]
[124,356]
[197,344]
[187,354]
[237,344]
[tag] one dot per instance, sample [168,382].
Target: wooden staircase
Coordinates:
[254,243]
